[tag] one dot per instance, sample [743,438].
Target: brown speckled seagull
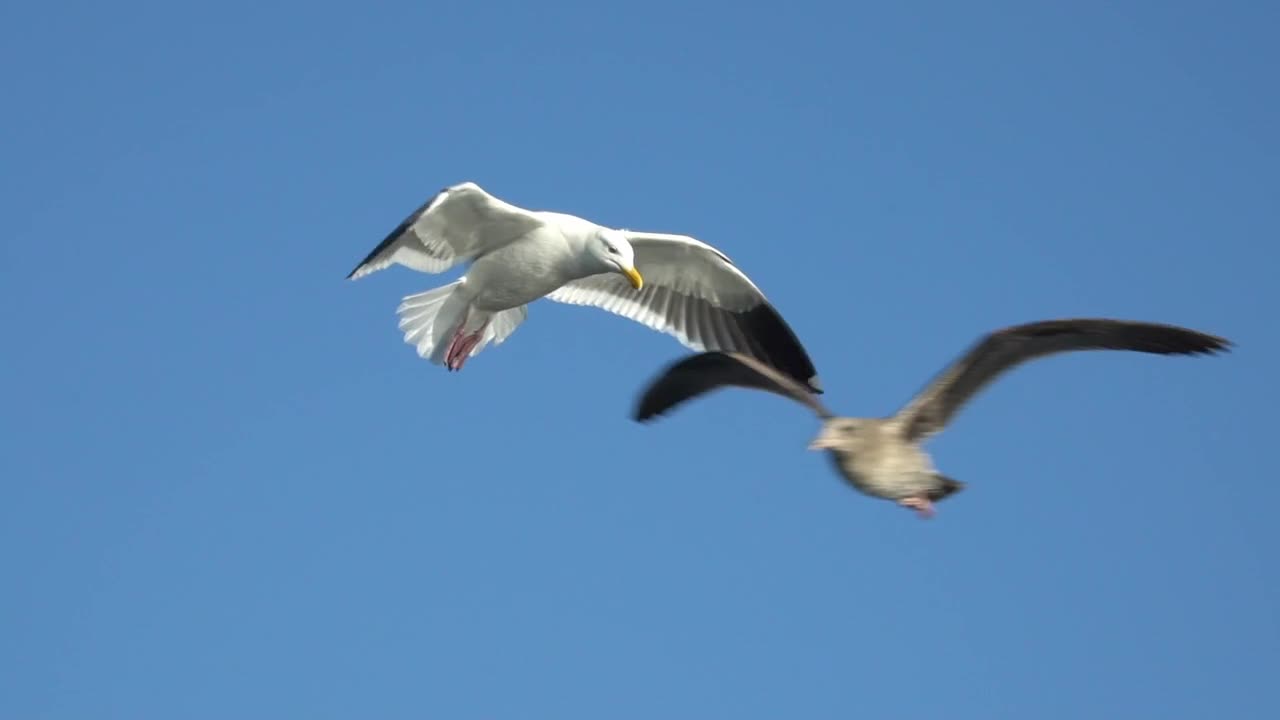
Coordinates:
[883,457]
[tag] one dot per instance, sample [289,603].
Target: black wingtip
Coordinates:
[644,415]
[779,346]
[1184,341]
[1149,337]
[649,408]
[1215,345]
[676,383]
[395,234]
[644,411]
[1176,340]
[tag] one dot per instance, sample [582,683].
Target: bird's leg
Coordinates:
[457,353]
[451,352]
[461,346]
[919,503]
[465,347]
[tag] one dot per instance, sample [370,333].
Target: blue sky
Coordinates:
[229,490]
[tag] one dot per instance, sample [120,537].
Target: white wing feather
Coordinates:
[694,293]
[689,288]
[459,224]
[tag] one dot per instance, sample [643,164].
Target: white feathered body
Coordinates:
[531,267]
[672,283]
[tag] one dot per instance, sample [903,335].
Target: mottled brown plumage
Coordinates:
[883,457]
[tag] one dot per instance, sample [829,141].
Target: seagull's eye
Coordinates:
[612,250]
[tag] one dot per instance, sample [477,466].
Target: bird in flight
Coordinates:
[883,457]
[671,283]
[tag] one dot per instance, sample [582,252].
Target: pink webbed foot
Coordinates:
[921,504]
[460,349]
[451,352]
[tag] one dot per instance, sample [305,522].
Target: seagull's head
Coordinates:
[615,254]
[840,434]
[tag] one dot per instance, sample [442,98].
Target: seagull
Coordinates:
[882,457]
[688,289]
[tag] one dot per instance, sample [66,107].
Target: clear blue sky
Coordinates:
[229,490]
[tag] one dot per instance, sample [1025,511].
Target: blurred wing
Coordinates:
[696,294]
[458,224]
[700,374]
[931,410]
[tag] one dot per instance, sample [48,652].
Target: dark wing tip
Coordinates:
[1211,344]
[649,406]
[1173,340]
[647,412]
[1158,338]
[776,343]
[395,234]
[705,372]
[680,381]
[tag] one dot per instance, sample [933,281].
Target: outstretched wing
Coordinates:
[931,410]
[696,294]
[458,224]
[700,374]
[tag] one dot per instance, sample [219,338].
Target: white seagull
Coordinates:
[671,283]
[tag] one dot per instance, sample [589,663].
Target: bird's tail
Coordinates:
[946,487]
[430,320]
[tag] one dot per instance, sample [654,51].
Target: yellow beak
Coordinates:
[633,275]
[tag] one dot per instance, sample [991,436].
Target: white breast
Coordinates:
[522,271]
